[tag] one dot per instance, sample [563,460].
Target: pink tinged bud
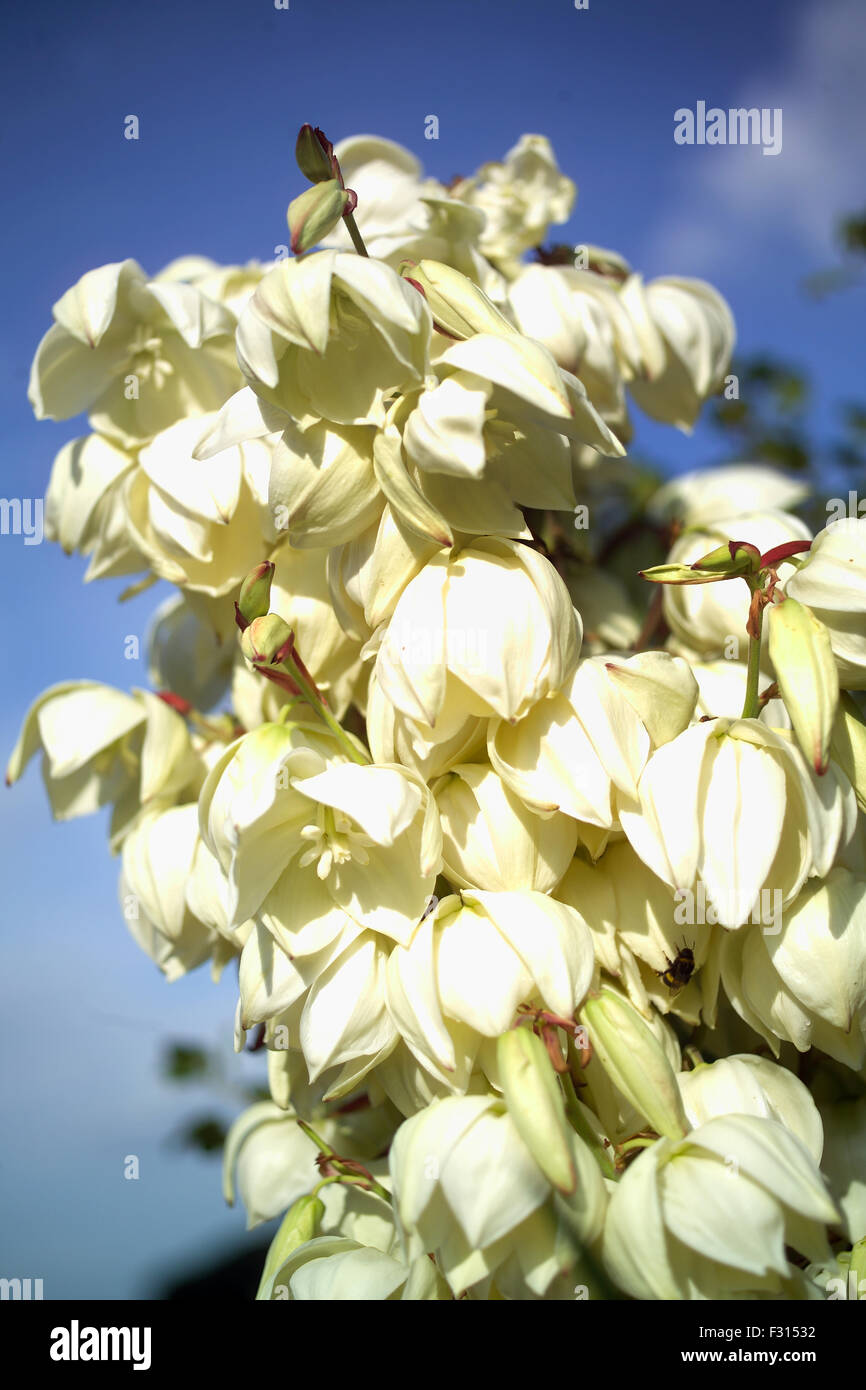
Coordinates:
[807,676]
[267,640]
[315,155]
[459,308]
[316,213]
[255,596]
[731,560]
[734,560]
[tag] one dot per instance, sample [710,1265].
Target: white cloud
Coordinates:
[732,202]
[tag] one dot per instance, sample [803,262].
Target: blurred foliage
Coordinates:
[767,421]
[851,237]
[206,1134]
[771,423]
[852,233]
[184,1062]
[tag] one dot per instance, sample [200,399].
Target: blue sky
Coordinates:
[220,90]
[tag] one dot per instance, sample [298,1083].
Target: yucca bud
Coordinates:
[255,596]
[299,1225]
[535,1105]
[315,155]
[806,672]
[635,1061]
[730,561]
[316,213]
[267,640]
[848,745]
[458,306]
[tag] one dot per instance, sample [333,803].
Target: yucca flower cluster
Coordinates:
[552,923]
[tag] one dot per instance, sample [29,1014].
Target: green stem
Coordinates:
[315,700]
[324,1183]
[317,1140]
[357,239]
[634,1144]
[584,1129]
[355,1180]
[751,705]
[369,1184]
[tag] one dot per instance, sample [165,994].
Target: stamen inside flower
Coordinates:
[333,841]
[146,357]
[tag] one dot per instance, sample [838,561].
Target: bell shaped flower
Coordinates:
[323,488]
[528,385]
[467,1190]
[158,859]
[85,507]
[686,334]
[807,984]
[269,1161]
[395,738]
[736,804]
[349,1248]
[333,334]
[639,928]
[491,430]
[280,810]
[334,1268]
[610,617]
[101,746]
[229,285]
[493,621]
[491,840]
[748,1085]
[248,806]
[711,1215]
[367,575]
[137,355]
[709,495]
[201,525]
[589,742]
[373,839]
[469,965]
[187,655]
[326,1002]
[579,317]
[831,581]
[520,198]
